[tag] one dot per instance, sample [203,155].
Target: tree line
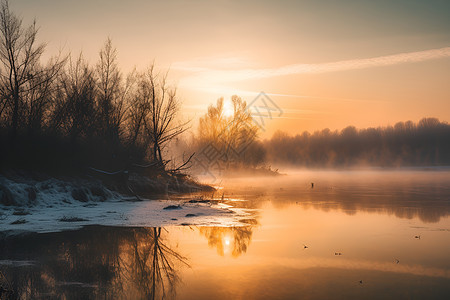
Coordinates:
[230,141]
[69,113]
[425,143]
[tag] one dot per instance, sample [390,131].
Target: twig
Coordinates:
[182,166]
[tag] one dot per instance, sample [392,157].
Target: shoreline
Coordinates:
[50,204]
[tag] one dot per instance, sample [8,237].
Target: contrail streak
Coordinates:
[209,76]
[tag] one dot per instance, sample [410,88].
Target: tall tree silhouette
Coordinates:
[111,92]
[24,81]
[153,112]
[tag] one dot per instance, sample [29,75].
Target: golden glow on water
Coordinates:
[375,237]
[370,245]
[228,241]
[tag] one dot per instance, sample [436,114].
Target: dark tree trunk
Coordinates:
[15,116]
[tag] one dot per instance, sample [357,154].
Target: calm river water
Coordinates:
[353,235]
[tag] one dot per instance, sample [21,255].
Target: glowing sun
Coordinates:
[228,109]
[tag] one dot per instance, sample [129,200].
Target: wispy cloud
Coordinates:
[212,75]
[353,64]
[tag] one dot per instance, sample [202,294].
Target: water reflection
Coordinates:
[373,220]
[94,262]
[228,240]
[151,264]
[404,194]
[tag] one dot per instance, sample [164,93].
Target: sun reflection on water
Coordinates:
[232,241]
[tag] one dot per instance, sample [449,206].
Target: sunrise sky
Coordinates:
[324,63]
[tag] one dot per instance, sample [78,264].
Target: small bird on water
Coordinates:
[305,247]
[312,185]
[337,253]
[417,237]
[397,261]
[360,282]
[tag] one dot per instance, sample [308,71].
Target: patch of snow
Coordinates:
[149,213]
[55,209]
[17,263]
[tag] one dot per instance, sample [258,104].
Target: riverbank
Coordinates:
[40,203]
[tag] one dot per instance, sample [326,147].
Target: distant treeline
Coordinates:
[67,114]
[426,143]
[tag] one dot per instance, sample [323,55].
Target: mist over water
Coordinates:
[406,193]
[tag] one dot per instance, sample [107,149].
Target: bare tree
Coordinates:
[230,136]
[25,83]
[139,109]
[111,92]
[153,112]
[40,97]
[152,266]
[74,111]
[212,124]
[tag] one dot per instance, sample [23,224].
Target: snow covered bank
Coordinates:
[56,205]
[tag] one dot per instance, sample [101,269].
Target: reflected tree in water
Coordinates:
[151,264]
[94,262]
[228,240]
